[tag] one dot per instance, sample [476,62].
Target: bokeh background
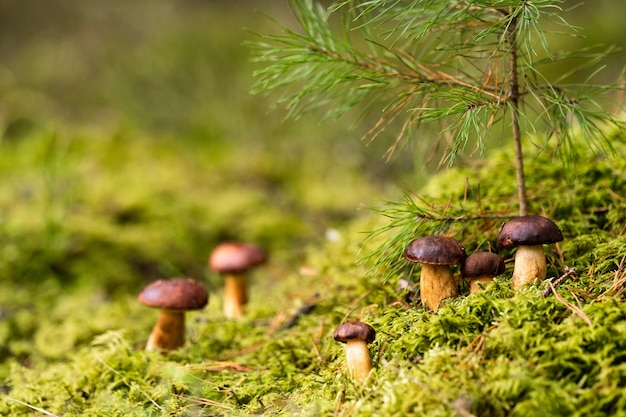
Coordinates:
[181,69]
[131,145]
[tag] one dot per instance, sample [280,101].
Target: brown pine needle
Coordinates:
[572,307]
[206,401]
[619,279]
[40,410]
[218,366]
[244,351]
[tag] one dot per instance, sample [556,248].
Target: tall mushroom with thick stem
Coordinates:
[173,297]
[356,335]
[480,268]
[529,234]
[233,260]
[436,254]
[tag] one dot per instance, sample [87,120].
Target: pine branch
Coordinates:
[464,65]
[417,216]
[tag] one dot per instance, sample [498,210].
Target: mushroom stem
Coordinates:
[478,283]
[436,284]
[530,266]
[169,331]
[235,295]
[358,359]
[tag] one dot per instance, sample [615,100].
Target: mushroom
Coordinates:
[436,254]
[529,234]
[356,335]
[173,297]
[233,260]
[479,269]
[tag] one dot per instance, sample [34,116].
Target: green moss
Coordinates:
[89,217]
[78,349]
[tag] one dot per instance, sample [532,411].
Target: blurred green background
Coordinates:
[179,69]
[169,69]
[131,145]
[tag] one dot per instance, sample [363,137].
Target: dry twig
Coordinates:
[568,272]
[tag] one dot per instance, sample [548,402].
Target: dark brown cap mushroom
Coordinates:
[173,297]
[436,254]
[480,268]
[233,260]
[528,234]
[356,335]
[352,330]
[529,231]
[435,250]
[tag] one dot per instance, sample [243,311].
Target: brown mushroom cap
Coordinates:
[175,294]
[355,330]
[435,250]
[236,257]
[482,264]
[529,231]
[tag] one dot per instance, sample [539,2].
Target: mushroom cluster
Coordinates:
[173,297]
[437,253]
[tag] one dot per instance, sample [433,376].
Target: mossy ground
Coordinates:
[77,349]
[90,215]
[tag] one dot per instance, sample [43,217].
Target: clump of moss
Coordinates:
[498,352]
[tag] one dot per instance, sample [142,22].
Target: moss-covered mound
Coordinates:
[498,352]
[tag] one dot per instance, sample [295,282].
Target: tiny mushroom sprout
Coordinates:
[480,268]
[356,335]
[436,254]
[233,260]
[172,297]
[529,234]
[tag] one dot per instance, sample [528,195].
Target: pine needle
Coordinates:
[41,410]
[576,310]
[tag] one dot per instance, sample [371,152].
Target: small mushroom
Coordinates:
[356,335]
[436,254]
[233,260]
[173,297]
[480,268]
[529,234]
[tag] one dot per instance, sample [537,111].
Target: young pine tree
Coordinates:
[467,65]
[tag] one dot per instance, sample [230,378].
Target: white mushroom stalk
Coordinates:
[437,284]
[530,266]
[358,359]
